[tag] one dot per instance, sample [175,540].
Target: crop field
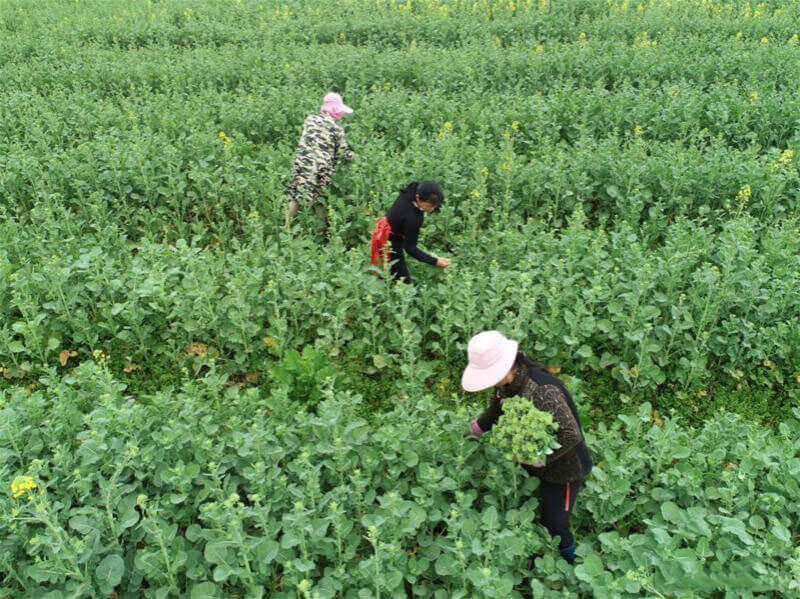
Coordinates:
[197,401]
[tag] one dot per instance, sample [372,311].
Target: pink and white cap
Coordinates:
[491,357]
[335,106]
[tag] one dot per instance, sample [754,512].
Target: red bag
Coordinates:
[380,237]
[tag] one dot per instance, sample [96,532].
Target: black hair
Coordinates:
[431,191]
[523,361]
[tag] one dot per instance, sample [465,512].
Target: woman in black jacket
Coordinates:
[495,361]
[402,224]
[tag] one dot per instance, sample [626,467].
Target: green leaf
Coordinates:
[737,528]
[590,569]
[372,520]
[109,571]
[266,551]
[193,533]
[221,573]
[446,565]
[782,533]
[204,590]
[216,552]
[671,512]
[82,524]
[490,517]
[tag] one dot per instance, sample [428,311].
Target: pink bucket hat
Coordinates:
[491,356]
[335,106]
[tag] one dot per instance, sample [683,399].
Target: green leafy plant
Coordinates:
[523,433]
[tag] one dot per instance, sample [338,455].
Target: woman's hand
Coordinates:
[443,262]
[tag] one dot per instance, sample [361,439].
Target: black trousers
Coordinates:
[399,268]
[555,504]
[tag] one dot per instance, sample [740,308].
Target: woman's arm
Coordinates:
[485,422]
[410,246]
[343,149]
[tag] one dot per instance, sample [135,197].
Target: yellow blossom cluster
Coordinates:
[643,40]
[445,130]
[744,193]
[22,485]
[283,13]
[226,141]
[784,159]
[101,357]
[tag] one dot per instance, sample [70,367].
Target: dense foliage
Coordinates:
[217,491]
[196,401]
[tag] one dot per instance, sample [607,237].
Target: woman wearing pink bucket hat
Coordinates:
[322,144]
[495,361]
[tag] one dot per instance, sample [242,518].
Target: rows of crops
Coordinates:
[196,401]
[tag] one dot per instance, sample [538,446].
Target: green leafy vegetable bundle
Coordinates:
[525,433]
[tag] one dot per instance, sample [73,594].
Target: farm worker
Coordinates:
[322,144]
[495,361]
[401,225]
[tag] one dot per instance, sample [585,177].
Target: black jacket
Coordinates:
[405,219]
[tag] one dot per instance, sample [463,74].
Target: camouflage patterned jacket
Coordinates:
[322,145]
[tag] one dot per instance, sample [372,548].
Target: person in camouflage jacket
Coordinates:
[494,361]
[322,145]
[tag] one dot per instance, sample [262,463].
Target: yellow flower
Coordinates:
[582,36]
[785,158]
[515,125]
[795,39]
[475,193]
[764,40]
[485,172]
[643,40]
[638,131]
[754,97]
[739,35]
[539,49]
[269,341]
[100,356]
[744,192]
[22,485]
